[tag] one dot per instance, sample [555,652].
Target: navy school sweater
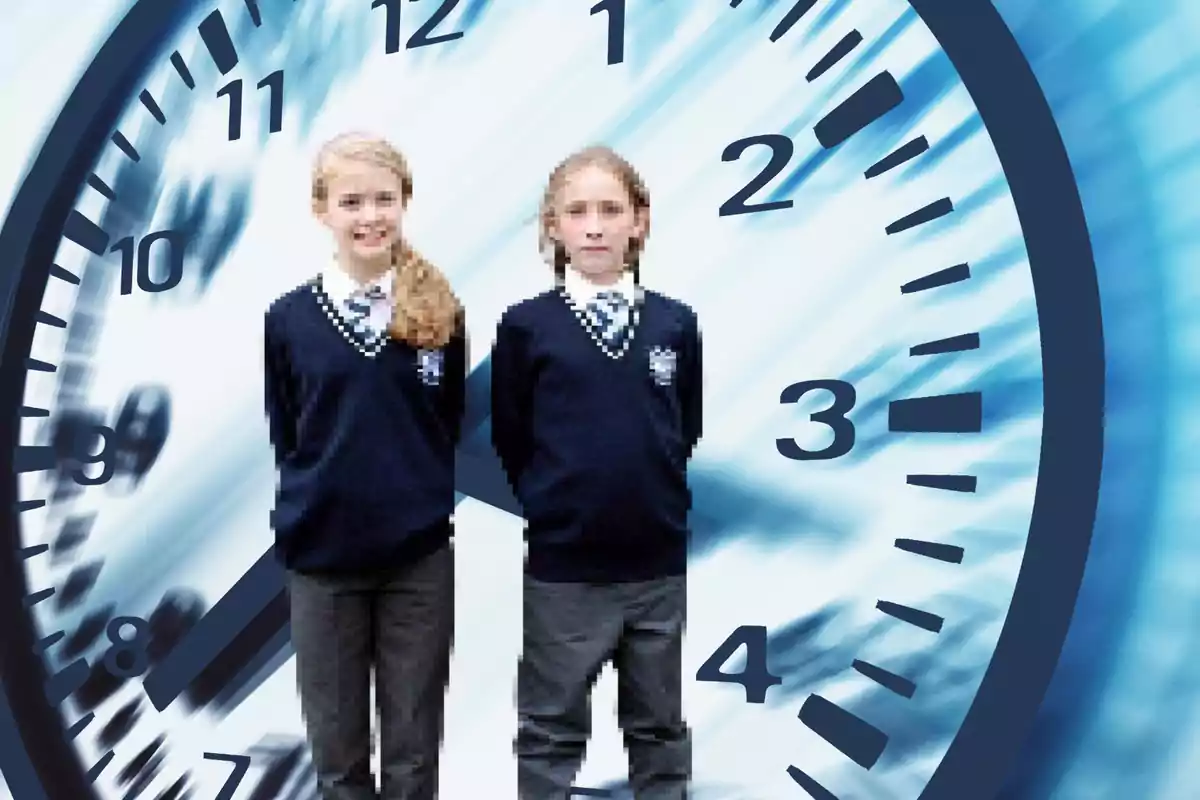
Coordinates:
[364,446]
[596,448]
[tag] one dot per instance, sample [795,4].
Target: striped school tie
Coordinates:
[358,312]
[608,312]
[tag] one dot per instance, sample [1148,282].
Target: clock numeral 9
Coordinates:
[833,417]
[616,28]
[233,90]
[755,677]
[135,264]
[419,39]
[130,447]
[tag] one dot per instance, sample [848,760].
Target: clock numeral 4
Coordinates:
[421,38]
[616,28]
[833,417]
[233,90]
[756,678]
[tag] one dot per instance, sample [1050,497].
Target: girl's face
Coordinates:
[363,210]
[595,219]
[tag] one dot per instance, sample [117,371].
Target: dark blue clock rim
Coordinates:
[35,758]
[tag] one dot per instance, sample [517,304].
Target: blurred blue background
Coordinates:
[1122,716]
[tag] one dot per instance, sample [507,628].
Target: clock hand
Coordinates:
[256,604]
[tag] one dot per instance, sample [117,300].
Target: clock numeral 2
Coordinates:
[419,39]
[233,90]
[137,264]
[781,153]
[616,28]
[833,417]
[756,678]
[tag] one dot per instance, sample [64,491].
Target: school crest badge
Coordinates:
[662,365]
[429,366]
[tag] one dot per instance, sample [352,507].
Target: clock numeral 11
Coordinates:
[616,28]
[233,90]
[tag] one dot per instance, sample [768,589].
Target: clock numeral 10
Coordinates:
[421,38]
[616,28]
[833,417]
[135,264]
[756,678]
[233,90]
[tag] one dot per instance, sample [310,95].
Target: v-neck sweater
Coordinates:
[595,447]
[364,441]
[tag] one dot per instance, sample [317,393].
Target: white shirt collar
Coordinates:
[582,291]
[339,286]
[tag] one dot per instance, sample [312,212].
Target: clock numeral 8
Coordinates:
[127,658]
[419,39]
[833,417]
[233,90]
[136,264]
[755,677]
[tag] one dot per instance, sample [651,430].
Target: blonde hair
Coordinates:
[606,158]
[427,311]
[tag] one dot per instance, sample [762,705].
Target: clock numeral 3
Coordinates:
[421,38]
[136,265]
[616,28]
[233,90]
[833,417]
[781,153]
[756,678]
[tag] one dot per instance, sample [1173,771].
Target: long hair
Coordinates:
[426,310]
[639,197]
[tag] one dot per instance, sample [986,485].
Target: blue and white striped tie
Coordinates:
[358,312]
[608,314]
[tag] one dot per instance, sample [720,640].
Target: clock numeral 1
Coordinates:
[616,28]
[233,90]
[833,417]
[421,38]
[240,765]
[174,241]
[756,678]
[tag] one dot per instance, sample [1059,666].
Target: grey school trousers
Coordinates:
[401,623]
[571,630]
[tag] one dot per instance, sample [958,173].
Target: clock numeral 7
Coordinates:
[833,417]
[233,90]
[421,38]
[756,678]
[240,765]
[616,28]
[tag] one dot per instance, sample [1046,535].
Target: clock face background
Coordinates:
[805,293]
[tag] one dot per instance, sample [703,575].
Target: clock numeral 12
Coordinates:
[756,678]
[233,90]
[616,28]
[421,38]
